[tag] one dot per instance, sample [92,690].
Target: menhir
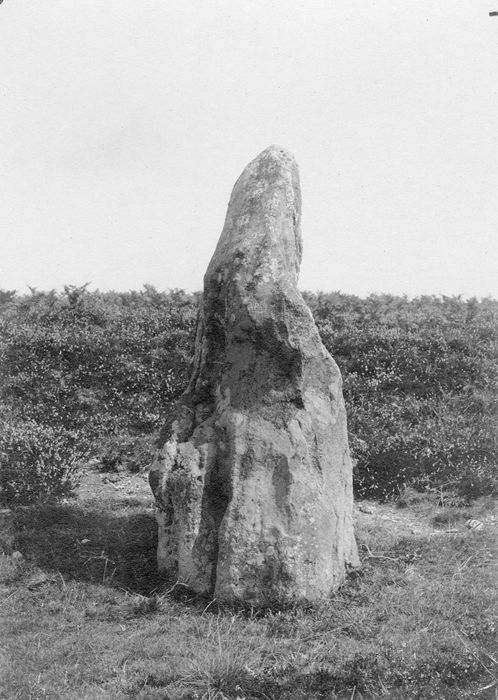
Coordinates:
[253,480]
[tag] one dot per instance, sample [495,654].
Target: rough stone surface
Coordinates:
[253,481]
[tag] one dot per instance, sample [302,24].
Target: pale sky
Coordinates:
[124,125]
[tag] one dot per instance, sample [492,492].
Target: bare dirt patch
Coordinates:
[114,486]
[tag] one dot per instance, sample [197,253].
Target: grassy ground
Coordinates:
[83,615]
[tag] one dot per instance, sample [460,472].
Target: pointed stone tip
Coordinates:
[277,152]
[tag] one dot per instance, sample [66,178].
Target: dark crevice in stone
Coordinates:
[216,497]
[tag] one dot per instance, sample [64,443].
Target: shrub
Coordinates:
[420,384]
[36,462]
[93,362]
[420,377]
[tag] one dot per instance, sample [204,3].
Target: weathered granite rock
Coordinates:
[253,481]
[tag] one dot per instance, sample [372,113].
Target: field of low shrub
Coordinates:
[91,375]
[421,388]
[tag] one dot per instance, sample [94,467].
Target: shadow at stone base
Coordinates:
[86,544]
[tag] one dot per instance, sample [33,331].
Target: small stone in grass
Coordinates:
[475,525]
[366,509]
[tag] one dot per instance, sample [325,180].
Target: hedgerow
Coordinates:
[100,371]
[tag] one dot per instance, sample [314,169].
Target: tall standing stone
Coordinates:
[253,482]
